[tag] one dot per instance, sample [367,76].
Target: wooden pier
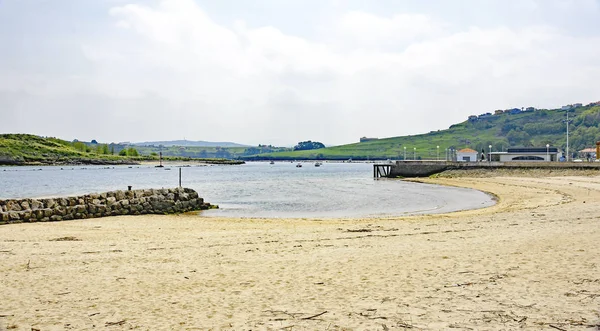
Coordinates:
[382,170]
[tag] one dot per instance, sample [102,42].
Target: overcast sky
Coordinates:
[282,71]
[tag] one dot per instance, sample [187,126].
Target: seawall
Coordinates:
[134,202]
[428,168]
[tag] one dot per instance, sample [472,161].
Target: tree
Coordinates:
[132,152]
[123,152]
[308,145]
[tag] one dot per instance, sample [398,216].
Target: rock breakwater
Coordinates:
[133,202]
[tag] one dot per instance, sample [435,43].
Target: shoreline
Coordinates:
[528,262]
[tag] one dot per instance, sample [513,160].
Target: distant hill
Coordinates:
[189,143]
[511,128]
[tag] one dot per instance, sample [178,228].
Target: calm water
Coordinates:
[254,189]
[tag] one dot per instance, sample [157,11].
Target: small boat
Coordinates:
[317,164]
[299,165]
[272,162]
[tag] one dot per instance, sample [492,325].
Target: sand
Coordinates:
[530,262]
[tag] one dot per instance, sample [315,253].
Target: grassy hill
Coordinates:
[533,128]
[27,149]
[30,149]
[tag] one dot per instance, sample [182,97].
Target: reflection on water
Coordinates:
[255,189]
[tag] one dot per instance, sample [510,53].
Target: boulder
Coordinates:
[49,203]
[36,204]
[14,216]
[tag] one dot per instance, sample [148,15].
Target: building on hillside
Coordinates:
[365,139]
[577,105]
[530,109]
[466,155]
[473,118]
[498,111]
[567,107]
[513,111]
[486,115]
[526,154]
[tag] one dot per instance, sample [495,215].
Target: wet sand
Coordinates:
[530,262]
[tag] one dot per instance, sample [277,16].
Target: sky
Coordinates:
[283,71]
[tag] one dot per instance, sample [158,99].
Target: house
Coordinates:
[473,118]
[466,155]
[498,112]
[365,139]
[514,111]
[530,109]
[567,107]
[486,115]
[526,154]
[577,105]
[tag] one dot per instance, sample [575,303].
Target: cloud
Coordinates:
[171,69]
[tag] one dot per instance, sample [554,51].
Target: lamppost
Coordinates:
[414,153]
[547,152]
[490,146]
[567,135]
[438,152]
[404,153]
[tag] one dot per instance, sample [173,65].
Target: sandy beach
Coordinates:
[530,262]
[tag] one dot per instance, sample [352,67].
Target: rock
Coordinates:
[49,203]
[14,216]
[81,208]
[111,201]
[36,204]
[26,216]
[25,205]
[120,195]
[4,217]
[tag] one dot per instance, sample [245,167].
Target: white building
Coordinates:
[526,154]
[466,155]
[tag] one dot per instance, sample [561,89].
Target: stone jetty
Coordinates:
[132,202]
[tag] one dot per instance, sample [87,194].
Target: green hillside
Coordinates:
[27,149]
[30,149]
[532,128]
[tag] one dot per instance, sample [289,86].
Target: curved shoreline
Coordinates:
[529,262]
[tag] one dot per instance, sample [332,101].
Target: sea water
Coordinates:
[255,189]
